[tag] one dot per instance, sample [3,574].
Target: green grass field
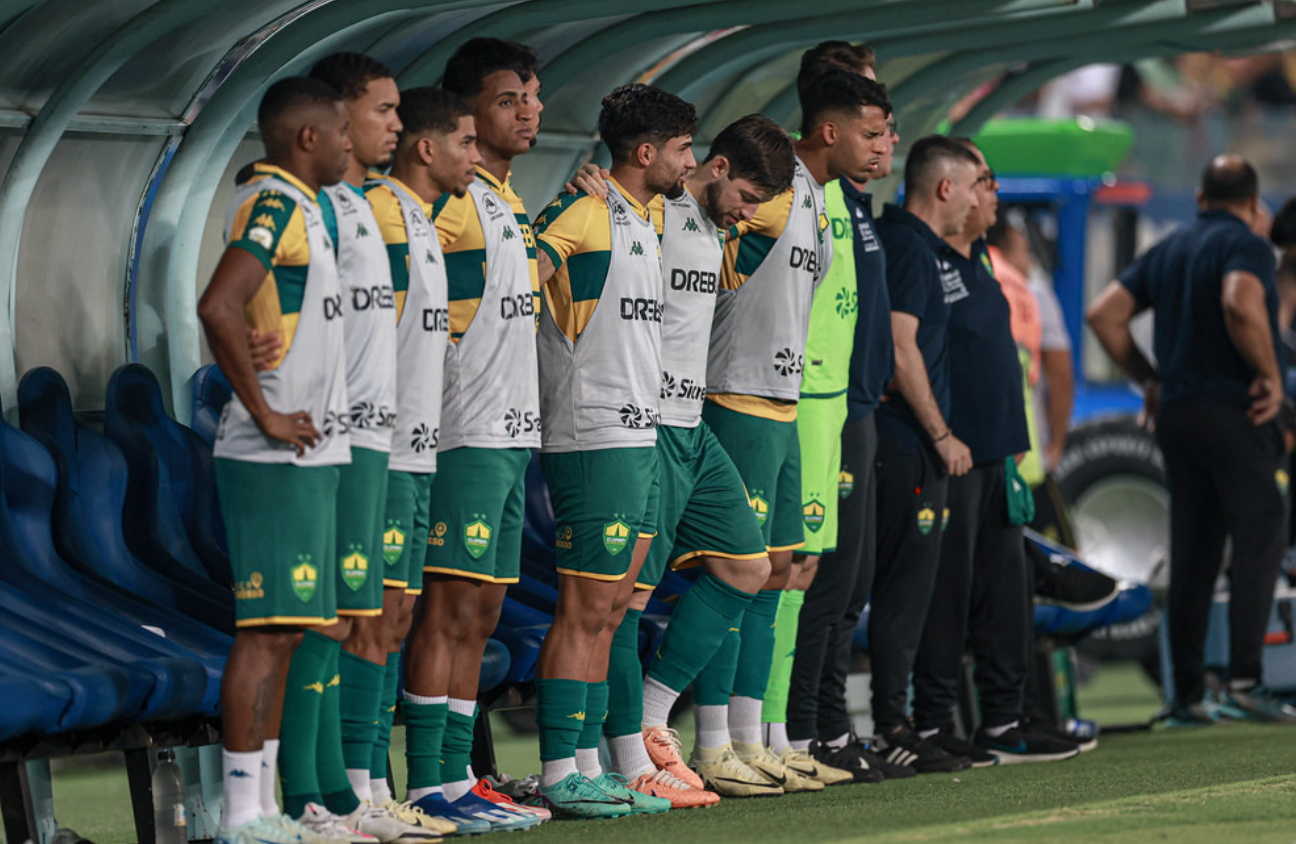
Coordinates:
[1226,783]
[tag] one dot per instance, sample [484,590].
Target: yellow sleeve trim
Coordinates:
[778,411]
[394,584]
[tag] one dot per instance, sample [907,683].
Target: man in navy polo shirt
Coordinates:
[1214,394]
[982,571]
[916,448]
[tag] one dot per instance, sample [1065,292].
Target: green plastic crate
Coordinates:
[1030,146]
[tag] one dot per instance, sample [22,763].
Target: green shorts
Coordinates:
[361,504]
[767,454]
[279,519]
[602,504]
[477,511]
[819,425]
[405,529]
[703,508]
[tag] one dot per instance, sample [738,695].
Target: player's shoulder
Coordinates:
[770,218]
[571,209]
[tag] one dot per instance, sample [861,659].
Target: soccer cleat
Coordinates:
[1178,715]
[386,827]
[762,760]
[855,758]
[1018,745]
[900,745]
[727,776]
[501,818]
[486,791]
[436,807]
[640,803]
[324,823]
[681,795]
[806,765]
[302,833]
[263,831]
[411,814]
[663,745]
[955,746]
[1257,704]
[576,796]
[1083,731]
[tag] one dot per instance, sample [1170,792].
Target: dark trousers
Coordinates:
[911,503]
[1221,471]
[981,600]
[836,597]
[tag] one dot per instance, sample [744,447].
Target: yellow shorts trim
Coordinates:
[652,535]
[467,575]
[771,548]
[394,584]
[680,561]
[643,587]
[360,613]
[291,620]
[589,575]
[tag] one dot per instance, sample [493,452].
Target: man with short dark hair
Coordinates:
[916,448]
[600,377]
[1213,394]
[282,436]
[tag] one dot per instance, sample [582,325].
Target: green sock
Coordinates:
[757,650]
[702,620]
[425,725]
[386,715]
[361,696]
[298,736]
[560,715]
[338,796]
[625,680]
[456,747]
[596,713]
[714,682]
[780,678]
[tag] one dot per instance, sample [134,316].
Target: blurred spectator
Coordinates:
[1089,91]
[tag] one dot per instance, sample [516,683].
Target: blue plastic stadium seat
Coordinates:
[31,704]
[524,652]
[211,392]
[171,496]
[88,508]
[495,665]
[94,690]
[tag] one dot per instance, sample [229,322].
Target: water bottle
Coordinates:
[169,822]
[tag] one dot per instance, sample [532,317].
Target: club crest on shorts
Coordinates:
[477,536]
[355,568]
[812,513]
[845,483]
[926,519]
[305,578]
[616,536]
[393,543]
[759,506]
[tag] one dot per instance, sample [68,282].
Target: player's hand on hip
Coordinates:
[296,429]
[1151,404]
[957,456]
[1266,398]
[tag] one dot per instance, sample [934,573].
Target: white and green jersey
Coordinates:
[691,255]
[368,319]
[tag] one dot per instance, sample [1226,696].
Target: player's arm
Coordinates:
[912,380]
[1109,317]
[1246,317]
[559,233]
[235,281]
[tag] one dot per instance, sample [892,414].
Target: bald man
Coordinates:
[1213,395]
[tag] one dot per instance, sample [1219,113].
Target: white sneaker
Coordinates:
[322,822]
[413,815]
[387,827]
[303,833]
[259,831]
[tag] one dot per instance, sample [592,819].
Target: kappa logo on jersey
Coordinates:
[477,536]
[366,416]
[393,542]
[808,203]
[759,505]
[952,282]
[690,225]
[265,221]
[693,281]
[518,305]
[616,535]
[787,362]
[423,438]
[436,536]
[847,303]
[804,259]
[845,484]
[429,257]
[633,416]
[509,234]
[812,513]
[520,421]
[361,231]
[646,310]
[636,248]
[355,568]
[926,519]
[305,578]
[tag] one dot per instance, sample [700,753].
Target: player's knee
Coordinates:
[743,575]
[269,642]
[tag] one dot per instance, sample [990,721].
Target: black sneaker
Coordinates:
[1073,587]
[955,746]
[1086,741]
[851,757]
[900,745]
[1018,745]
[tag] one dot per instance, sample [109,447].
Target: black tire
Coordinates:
[1100,458]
